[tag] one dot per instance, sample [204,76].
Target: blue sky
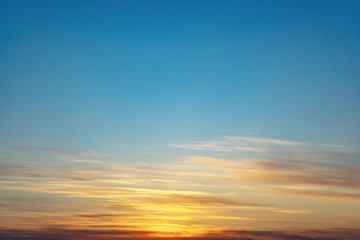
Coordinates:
[202,119]
[129,75]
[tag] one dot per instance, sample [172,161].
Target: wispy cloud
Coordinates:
[318,193]
[214,146]
[263,141]
[98,234]
[47,172]
[286,172]
[335,175]
[84,153]
[231,143]
[193,196]
[86,161]
[183,199]
[274,148]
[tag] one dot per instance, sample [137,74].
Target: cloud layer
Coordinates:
[270,198]
[67,234]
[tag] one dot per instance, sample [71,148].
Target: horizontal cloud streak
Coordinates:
[84,153]
[275,148]
[176,199]
[67,234]
[263,141]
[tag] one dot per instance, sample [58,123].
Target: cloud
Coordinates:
[231,143]
[263,141]
[132,194]
[99,216]
[189,197]
[294,178]
[67,234]
[84,153]
[86,161]
[284,172]
[183,199]
[328,234]
[274,148]
[48,172]
[213,146]
[92,234]
[319,193]
[336,175]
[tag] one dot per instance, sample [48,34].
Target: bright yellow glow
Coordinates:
[190,198]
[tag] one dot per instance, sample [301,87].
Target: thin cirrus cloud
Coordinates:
[84,153]
[274,148]
[319,193]
[232,143]
[184,199]
[263,141]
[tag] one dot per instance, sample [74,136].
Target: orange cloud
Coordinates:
[186,198]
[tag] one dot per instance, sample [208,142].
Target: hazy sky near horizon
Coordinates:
[173,114]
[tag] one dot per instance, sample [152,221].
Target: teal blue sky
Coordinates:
[186,119]
[127,77]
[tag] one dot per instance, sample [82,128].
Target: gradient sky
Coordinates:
[144,118]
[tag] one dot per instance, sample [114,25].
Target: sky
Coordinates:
[179,119]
